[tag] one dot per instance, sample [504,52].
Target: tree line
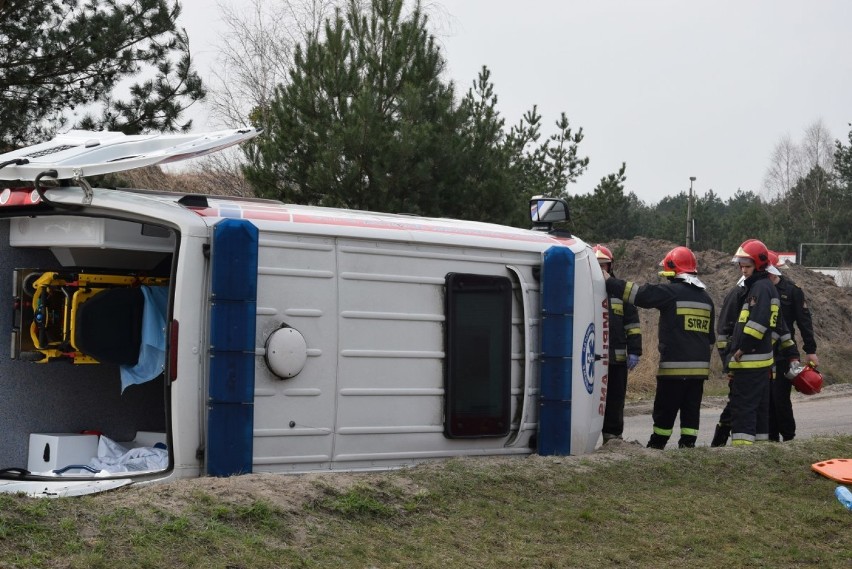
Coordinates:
[816,209]
[357,113]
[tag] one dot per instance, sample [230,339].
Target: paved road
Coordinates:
[827,413]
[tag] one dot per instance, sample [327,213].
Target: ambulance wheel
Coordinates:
[28,286]
[31,356]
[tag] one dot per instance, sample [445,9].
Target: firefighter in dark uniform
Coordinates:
[794,308]
[686,339]
[751,349]
[625,350]
[728,316]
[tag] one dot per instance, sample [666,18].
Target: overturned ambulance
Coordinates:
[154,335]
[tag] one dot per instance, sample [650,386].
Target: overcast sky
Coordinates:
[704,88]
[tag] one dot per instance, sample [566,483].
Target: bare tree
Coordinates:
[256,53]
[818,147]
[254,57]
[818,153]
[790,162]
[785,169]
[215,175]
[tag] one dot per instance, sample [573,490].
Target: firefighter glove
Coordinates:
[632,361]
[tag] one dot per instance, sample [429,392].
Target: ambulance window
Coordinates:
[478,355]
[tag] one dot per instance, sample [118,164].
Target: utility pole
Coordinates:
[689,210]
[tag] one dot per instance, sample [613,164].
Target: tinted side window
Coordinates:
[478,355]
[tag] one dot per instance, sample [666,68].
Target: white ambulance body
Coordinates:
[294,338]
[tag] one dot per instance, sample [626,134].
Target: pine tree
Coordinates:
[607,213]
[60,57]
[366,121]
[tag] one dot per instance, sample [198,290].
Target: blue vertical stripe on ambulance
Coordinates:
[233,311]
[557,346]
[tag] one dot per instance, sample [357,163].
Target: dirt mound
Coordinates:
[831,306]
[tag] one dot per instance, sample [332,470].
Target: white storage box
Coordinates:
[52,451]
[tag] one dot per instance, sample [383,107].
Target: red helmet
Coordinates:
[808,381]
[754,251]
[679,260]
[602,254]
[775,260]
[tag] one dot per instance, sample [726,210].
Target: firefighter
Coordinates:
[686,331]
[794,308]
[751,358]
[625,350]
[728,316]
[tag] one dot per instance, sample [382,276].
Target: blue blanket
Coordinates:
[152,352]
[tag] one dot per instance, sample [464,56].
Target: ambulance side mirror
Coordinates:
[544,212]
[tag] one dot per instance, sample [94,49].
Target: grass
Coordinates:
[704,507]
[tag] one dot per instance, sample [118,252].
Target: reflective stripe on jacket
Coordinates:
[625,335]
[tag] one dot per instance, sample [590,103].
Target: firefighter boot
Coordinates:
[687,441]
[610,437]
[720,437]
[658,441]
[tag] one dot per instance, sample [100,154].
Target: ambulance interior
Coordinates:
[83,278]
